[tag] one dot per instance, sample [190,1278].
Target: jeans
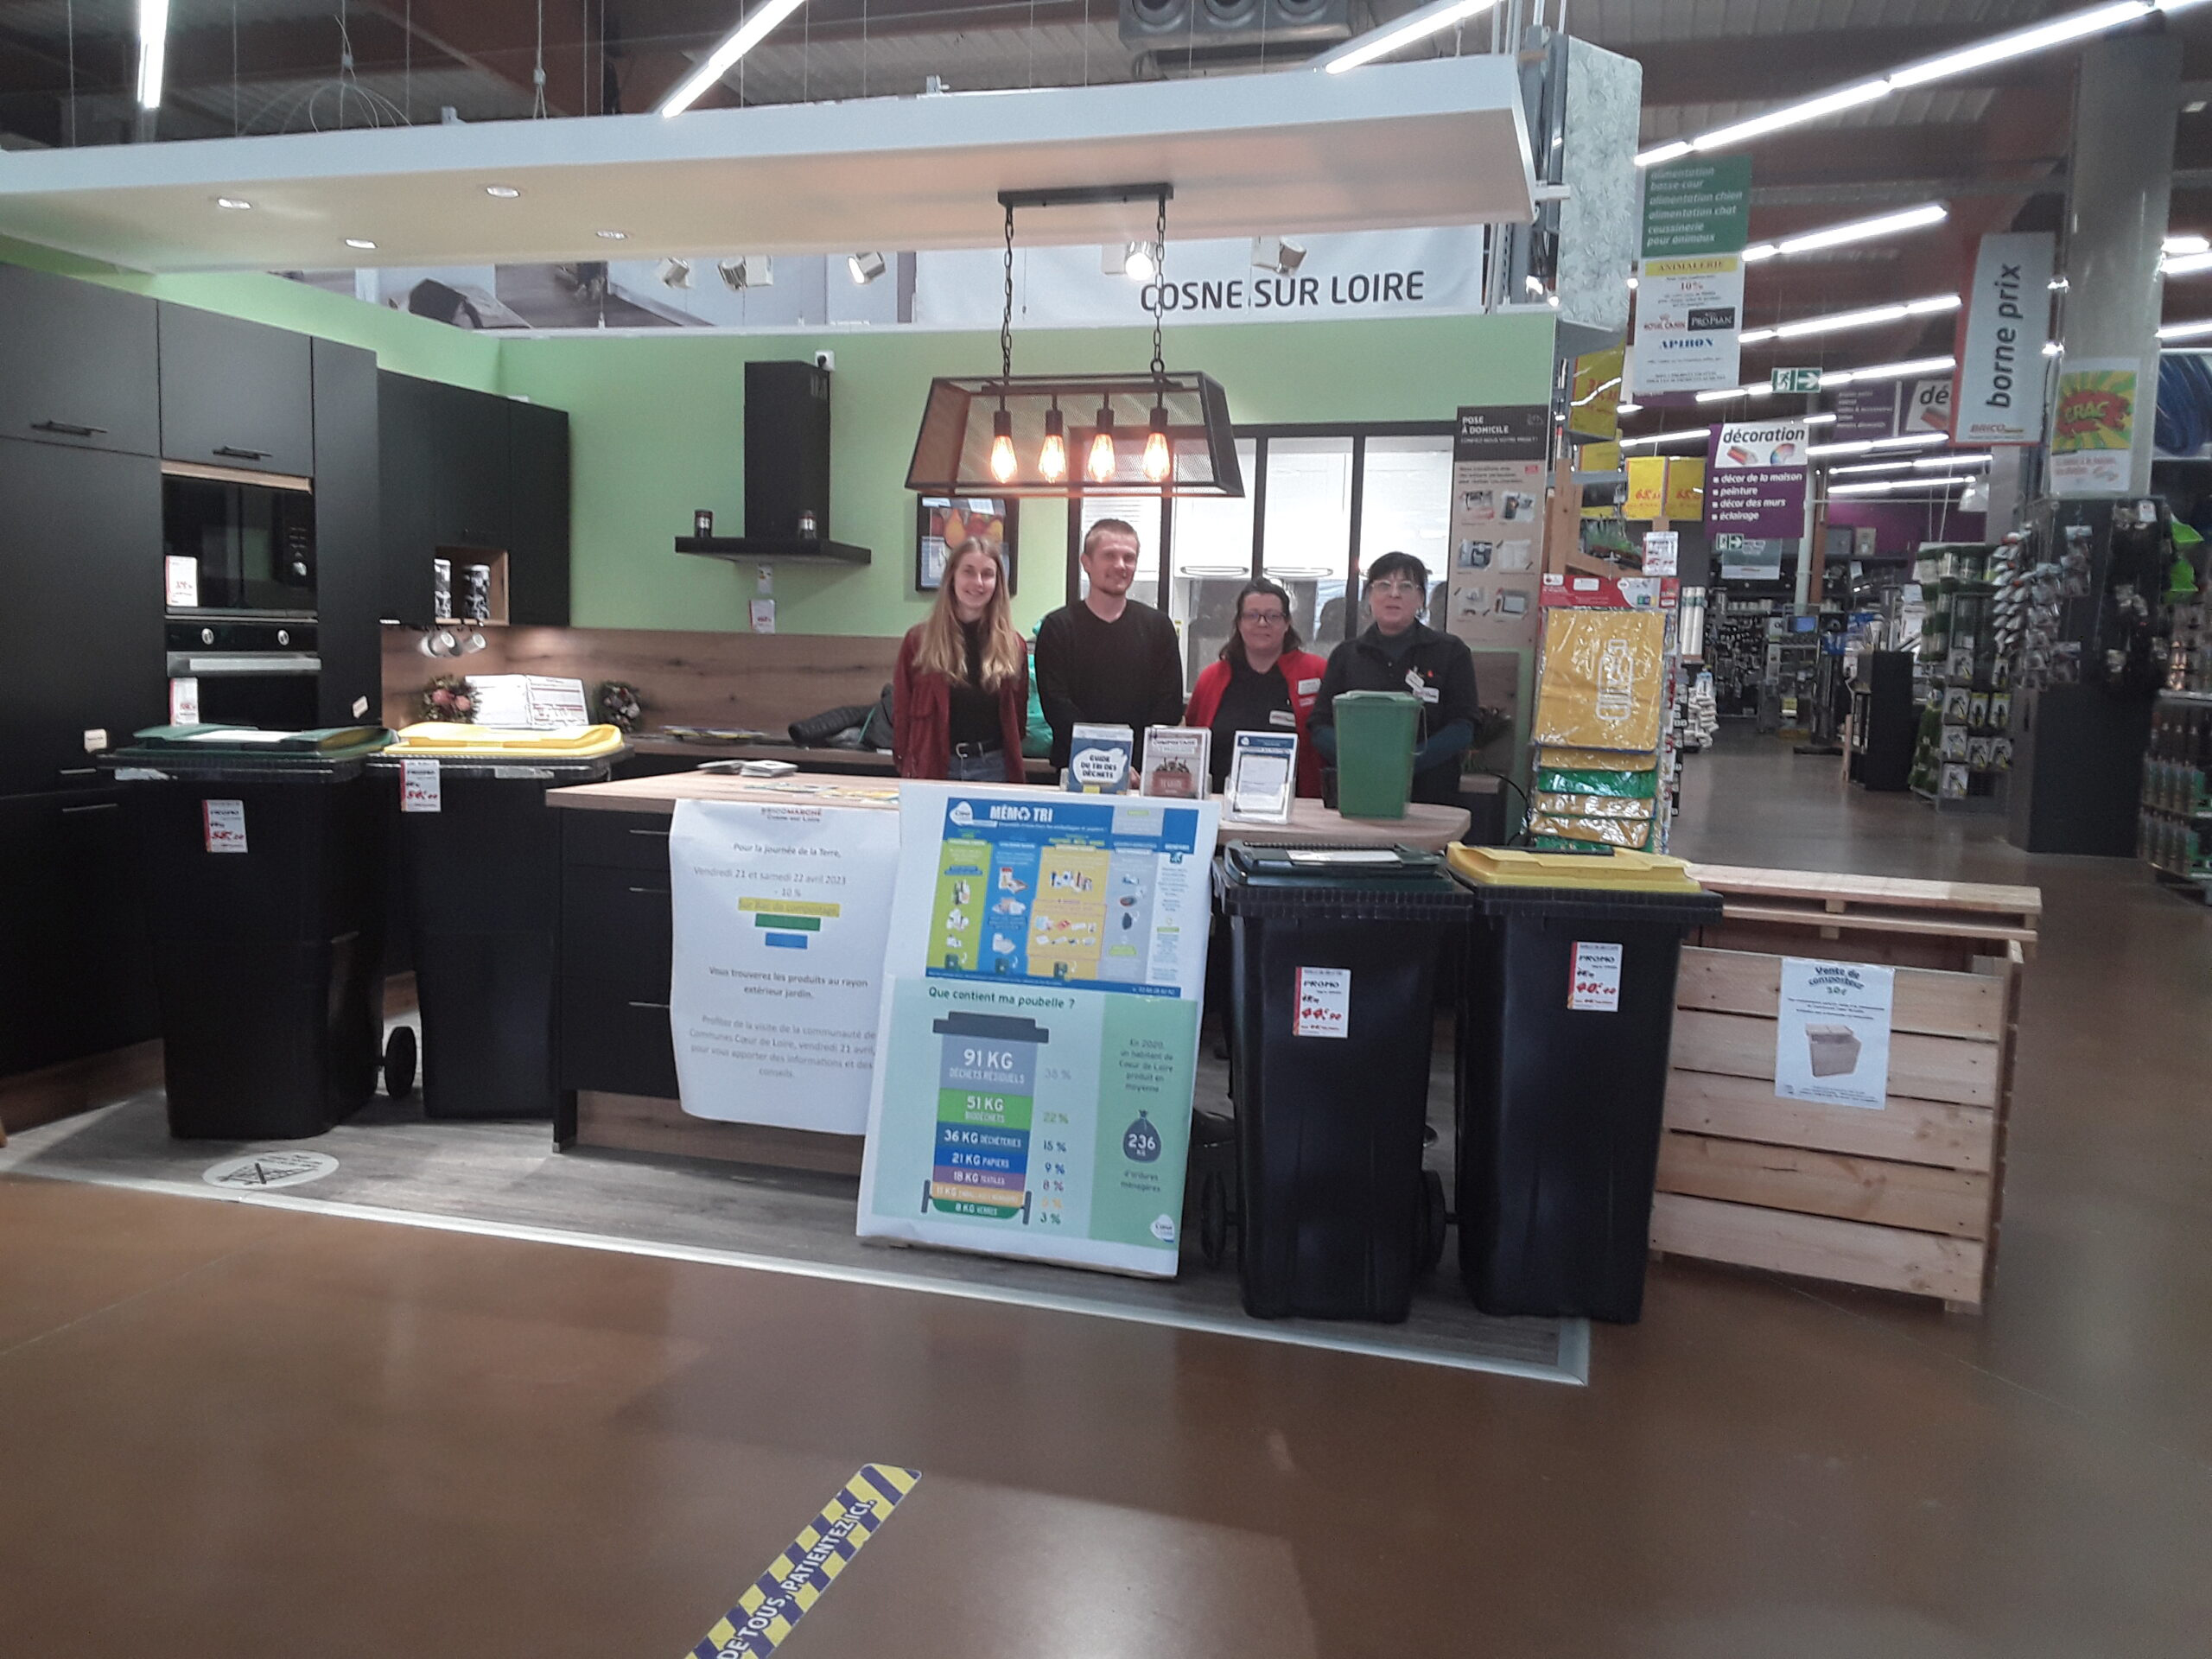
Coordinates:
[978,768]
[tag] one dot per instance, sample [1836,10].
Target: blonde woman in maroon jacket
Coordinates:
[960,693]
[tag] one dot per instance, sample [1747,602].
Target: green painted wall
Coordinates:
[657,430]
[408,344]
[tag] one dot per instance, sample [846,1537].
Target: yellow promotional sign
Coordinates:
[1600,458]
[1686,487]
[1647,486]
[1595,412]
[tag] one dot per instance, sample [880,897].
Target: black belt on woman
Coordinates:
[976,751]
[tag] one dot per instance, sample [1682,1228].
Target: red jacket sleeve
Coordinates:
[1205,696]
[1303,669]
[905,707]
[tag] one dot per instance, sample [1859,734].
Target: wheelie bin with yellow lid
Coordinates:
[479,858]
[1566,1010]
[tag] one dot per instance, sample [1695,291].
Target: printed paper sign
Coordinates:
[1037,1044]
[1996,390]
[1832,1035]
[1927,406]
[420,790]
[1755,478]
[182,578]
[2093,430]
[1662,552]
[263,1170]
[1324,1003]
[763,611]
[554,702]
[1688,322]
[1595,983]
[225,823]
[1497,534]
[780,914]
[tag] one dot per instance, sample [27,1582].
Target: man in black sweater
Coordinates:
[1107,660]
[1397,653]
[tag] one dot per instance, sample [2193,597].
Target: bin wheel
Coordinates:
[1430,1240]
[1213,1219]
[399,1063]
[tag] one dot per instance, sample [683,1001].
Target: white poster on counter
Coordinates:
[1038,1030]
[780,914]
[1832,1034]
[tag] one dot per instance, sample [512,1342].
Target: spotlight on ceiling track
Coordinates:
[675,273]
[747,271]
[865,268]
[1138,261]
[1278,254]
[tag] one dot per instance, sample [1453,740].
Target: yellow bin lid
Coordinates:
[453,738]
[1620,871]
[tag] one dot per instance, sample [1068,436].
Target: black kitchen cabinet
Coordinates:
[615,953]
[349,544]
[537,516]
[78,363]
[81,617]
[236,393]
[76,971]
[445,482]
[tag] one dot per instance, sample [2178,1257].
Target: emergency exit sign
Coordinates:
[1793,379]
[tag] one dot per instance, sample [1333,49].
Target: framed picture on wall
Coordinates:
[942,522]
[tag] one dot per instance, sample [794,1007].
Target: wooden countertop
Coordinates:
[864,763]
[1311,823]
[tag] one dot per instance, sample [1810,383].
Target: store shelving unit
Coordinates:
[1882,728]
[2174,827]
[1965,746]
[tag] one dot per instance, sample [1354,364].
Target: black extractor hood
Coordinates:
[786,472]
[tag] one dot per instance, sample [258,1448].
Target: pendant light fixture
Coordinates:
[1006,436]
[1052,458]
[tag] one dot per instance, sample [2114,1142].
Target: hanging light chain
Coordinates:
[1006,316]
[1159,286]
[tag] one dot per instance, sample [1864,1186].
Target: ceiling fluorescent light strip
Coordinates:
[1866,445]
[1857,230]
[2185,330]
[1700,433]
[1836,321]
[1416,25]
[2185,264]
[153,51]
[739,42]
[2038,37]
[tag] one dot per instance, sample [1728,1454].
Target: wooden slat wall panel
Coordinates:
[764,681]
[1820,1247]
[1999,930]
[1910,1131]
[1916,1196]
[1924,1068]
[1896,891]
[1935,1004]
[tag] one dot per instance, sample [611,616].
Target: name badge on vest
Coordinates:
[1281,717]
[1309,688]
[1426,693]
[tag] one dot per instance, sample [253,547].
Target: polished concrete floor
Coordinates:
[226,1431]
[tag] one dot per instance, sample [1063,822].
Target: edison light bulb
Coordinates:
[1004,463]
[1052,459]
[1155,457]
[1102,457]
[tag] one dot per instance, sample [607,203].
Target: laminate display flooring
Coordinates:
[229,1430]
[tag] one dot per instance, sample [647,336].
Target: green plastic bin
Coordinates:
[1374,752]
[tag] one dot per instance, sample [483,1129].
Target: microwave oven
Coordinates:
[249,541]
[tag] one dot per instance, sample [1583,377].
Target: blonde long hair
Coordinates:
[943,650]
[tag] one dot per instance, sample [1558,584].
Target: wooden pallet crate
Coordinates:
[1907,1197]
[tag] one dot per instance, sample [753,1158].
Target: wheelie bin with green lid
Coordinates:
[1566,1010]
[1333,960]
[262,863]
[479,863]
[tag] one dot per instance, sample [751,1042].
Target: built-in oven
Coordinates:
[235,671]
[238,543]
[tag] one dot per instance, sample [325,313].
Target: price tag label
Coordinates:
[1595,984]
[225,823]
[1324,1003]
[184,702]
[181,581]
[419,788]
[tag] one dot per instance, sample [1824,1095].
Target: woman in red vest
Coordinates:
[960,693]
[1263,683]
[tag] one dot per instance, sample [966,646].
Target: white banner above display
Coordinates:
[1997,388]
[1272,279]
[1831,1038]
[1689,315]
[1037,1043]
[779,914]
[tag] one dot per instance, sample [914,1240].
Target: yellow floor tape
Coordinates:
[796,1579]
